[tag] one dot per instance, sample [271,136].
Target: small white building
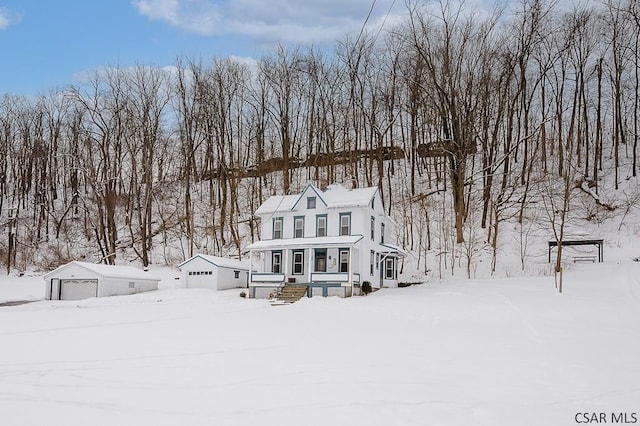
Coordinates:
[81,280]
[330,241]
[216,273]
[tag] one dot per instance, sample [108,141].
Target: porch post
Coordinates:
[309,269]
[250,266]
[351,269]
[285,264]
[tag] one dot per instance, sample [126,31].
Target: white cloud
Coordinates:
[5,18]
[267,21]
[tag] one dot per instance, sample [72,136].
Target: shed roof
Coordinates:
[107,271]
[394,249]
[221,262]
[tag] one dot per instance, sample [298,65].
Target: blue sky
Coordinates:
[49,43]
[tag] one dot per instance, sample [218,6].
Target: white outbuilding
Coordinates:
[217,273]
[81,280]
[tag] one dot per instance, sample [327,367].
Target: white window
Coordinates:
[277,228]
[321,226]
[298,227]
[311,202]
[236,274]
[373,228]
[345,223]
[372,261]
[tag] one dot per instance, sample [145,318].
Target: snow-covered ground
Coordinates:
[509,351]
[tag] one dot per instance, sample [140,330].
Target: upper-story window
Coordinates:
[311,202]
[382,233]
[373,203]
[345,223]
[321,225]
[277,228]
[373,228]
[298,227]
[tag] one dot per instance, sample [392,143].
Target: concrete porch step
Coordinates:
[291,293]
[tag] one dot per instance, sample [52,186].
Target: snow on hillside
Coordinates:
[508,351]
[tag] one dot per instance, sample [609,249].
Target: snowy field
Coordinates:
[508,351]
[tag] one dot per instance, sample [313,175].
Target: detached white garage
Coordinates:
[81,280]
[217,273]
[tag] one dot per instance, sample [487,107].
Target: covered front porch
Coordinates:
[328,266]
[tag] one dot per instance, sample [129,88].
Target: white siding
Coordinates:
[105,286]
[360,224]
[226,279]
[121,286]
[264,292]
[221,278]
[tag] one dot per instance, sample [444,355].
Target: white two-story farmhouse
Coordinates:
[331,241]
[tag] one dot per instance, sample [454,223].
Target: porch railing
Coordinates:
[316,277]
[333,277]
[267,277]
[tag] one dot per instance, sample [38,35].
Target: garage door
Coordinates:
[78,289]
[201,279]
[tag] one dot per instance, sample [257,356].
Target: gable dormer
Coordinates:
[310,199]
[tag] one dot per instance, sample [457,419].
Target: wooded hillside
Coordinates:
[465,120]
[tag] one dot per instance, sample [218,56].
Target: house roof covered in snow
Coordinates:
[107,271]
[221,262]
[338,196]
[334,196]
[277,203]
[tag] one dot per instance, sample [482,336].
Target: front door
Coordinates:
[389,268]
[321,260]
[298,262]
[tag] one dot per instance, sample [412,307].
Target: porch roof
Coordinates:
[341,241]
[394,249]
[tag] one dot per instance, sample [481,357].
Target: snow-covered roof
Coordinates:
[335,196]
[277,203]
[338,196]
[394,249]
[341,241]
[108,271]
[221,262]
